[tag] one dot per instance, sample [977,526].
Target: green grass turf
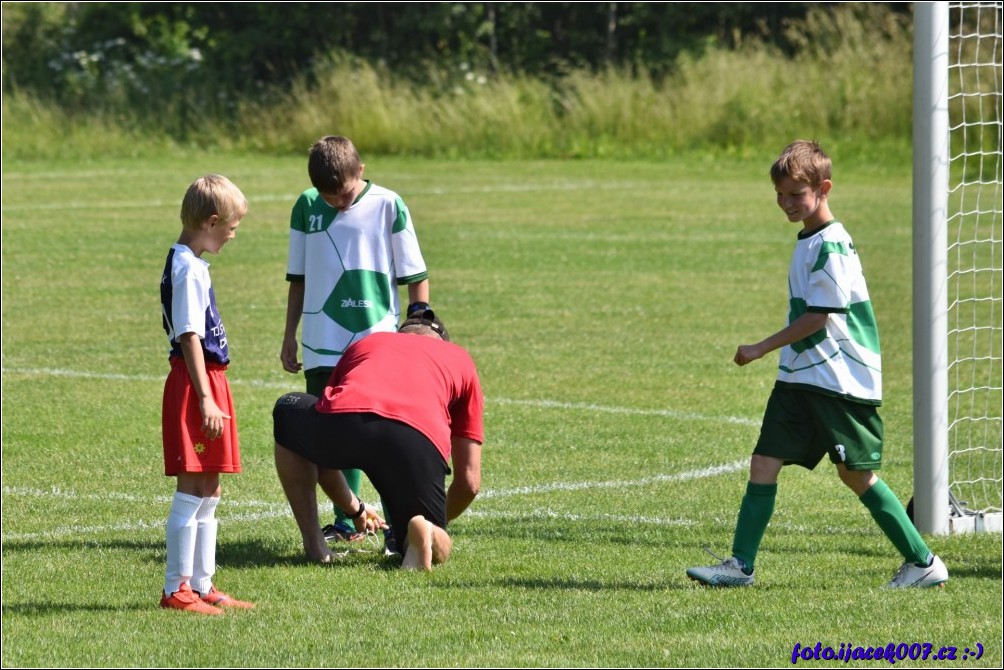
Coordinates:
[602,302]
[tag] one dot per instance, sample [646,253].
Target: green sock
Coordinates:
[754,515]
[890,516]
[353,478]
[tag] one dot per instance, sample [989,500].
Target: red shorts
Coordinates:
[186,448]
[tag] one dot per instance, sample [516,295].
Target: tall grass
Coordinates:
[848,83]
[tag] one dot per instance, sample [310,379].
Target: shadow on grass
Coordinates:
[549,532]
[272,551]
[49,608]
[566,584]
[29,548]
[242,554]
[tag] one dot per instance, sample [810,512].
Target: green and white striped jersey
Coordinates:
[843,359]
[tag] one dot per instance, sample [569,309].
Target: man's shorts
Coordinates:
[403,465]
[800,427]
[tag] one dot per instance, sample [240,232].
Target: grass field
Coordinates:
[602,302]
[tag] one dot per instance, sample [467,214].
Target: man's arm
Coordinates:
[466,476]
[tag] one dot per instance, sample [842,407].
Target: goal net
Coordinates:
[958,278]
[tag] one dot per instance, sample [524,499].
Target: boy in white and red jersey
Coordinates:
[829,383]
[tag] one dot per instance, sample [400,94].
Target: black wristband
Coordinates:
[417,307]
[362,508]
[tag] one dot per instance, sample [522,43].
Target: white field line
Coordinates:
[555,185]
[272,510]
[282,511]
[645,481]
[289,386]
[588,518]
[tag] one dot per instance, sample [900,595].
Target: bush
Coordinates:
[847,82]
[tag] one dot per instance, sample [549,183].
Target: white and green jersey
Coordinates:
[351,263]
[843,359]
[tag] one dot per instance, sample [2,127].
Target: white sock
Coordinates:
[181,527]
[205,546]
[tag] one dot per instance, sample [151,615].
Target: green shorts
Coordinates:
[800,426]
[317,379]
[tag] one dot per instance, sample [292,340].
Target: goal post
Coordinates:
[930,285]
[957,267]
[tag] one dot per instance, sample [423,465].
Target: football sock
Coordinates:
[204,566]
[890,516]
[385,513]
[754,515]
[353,478]
[181,527]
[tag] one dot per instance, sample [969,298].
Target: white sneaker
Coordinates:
[911,575]
[728,573]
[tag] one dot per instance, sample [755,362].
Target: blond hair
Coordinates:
[803,161]
[333,162]
[209,195]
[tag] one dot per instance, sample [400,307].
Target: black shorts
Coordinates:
[403,465]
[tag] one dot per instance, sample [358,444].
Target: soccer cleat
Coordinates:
[911,575]
[389,543]
[220,599]
[729,572]
[185,599]
[342,532]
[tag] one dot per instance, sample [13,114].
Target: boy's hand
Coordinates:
[747,353]
[213,418]
[288,355]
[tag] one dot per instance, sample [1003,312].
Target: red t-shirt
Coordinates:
[422,381]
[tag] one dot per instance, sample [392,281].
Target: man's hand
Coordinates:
[369,521]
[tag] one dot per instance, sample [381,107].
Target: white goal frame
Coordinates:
[940,391]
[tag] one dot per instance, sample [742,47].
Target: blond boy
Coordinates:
[198,420]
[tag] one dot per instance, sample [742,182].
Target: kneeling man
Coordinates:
[398,407]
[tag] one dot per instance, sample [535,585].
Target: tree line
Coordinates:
[81,53]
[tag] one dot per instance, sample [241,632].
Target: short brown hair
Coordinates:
[425,323]
[209,195]
[805,162]
[333,161]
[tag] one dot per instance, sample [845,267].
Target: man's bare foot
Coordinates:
[319,553]
[418,554]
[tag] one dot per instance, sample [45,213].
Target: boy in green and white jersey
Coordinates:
[351,244]
[829,383]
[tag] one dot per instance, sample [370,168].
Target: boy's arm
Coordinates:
[800,328]
[294,308]
[418,292]
[466,456]
[212,416]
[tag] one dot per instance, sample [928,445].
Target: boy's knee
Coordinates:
[764,469]
[858,481]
